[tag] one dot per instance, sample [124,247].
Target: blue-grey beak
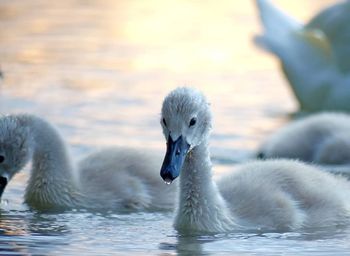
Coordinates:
[174,158]
[3,183]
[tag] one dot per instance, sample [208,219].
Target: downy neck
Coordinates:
[201,207]
[51,184]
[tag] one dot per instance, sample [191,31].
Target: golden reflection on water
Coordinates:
[197,37]
[188,36]
[103,67]
[175,36]
[99,71]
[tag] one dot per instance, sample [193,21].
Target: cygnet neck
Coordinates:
[51,184]
[201,207]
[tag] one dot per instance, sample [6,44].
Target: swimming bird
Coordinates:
[314,57]
[121,179]
[275,195]
[321,138]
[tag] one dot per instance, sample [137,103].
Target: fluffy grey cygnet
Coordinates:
[321,138]
[273,195]
[118,179]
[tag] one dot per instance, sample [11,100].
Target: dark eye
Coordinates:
[193,121]
[164,122]
[2,159]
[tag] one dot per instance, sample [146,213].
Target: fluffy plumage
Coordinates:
[118,179]
[322,138]
[314,56]
[273,195]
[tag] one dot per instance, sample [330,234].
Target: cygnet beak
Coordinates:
[174,158]
[3,183]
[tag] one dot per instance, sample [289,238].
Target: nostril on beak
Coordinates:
[177,152]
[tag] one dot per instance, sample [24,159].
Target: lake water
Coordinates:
[99,70]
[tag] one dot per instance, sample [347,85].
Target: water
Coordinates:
[99,70]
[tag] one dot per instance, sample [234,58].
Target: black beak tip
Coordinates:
[3,183]
[167,177]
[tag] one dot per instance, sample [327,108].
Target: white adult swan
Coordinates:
[112,179]
[274,195]
[322,138]
[314,57]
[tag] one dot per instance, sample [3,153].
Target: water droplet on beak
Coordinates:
[168,181]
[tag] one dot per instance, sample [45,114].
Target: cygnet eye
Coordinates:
[193,121]
[164,122]
[2,159]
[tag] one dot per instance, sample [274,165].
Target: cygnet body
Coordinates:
[119,179]
[321,138]
[275,195]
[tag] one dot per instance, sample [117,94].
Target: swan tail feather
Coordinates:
[262,43]
[284,36]
[303,52]
[278,27]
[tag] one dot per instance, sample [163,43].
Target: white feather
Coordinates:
[314,57]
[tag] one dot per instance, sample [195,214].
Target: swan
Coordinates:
[266,195]
[121,179]
[314,56]
[321,138]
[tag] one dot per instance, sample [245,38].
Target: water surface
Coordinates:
[99,70]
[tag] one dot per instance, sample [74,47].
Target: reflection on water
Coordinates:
[99,71]
[264,244]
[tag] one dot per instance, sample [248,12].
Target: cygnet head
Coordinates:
[14,151]
[186,122]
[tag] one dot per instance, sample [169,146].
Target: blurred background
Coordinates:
[99,69]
